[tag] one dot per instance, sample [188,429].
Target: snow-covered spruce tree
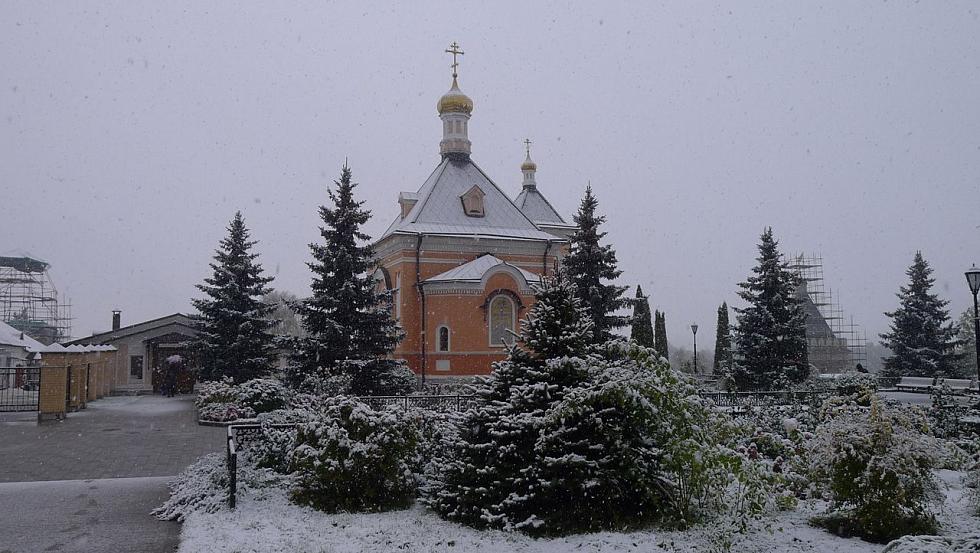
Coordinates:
[660,335]
[968,346]
[771,333]
[348,323]
[232,323]
[641,330]
[922,339]
[571,437]
[483,480]
[723,343]
[591,268]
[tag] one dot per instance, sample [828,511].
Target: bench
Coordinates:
[915,383]
[961,385]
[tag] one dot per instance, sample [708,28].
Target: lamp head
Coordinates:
[973,279]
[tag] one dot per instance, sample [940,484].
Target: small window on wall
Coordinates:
[442,335]
[136,366]
[501,321]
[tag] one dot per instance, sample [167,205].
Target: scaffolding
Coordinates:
[29,299]
[835,342]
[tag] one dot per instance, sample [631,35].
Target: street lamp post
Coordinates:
[973,279]
[694,329]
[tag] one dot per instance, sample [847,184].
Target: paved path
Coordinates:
[89,482]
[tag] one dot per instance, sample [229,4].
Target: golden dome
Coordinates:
[529,165]
[455,101]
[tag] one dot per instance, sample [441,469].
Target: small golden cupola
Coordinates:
[454,110]
[528,167]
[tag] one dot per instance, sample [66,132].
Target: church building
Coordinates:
[461,256]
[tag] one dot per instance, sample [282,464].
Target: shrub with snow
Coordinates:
[877,465]
[216,391]
[349,457]
[944,412]
[262,394]
[273,448]
[224,412]
[203,486]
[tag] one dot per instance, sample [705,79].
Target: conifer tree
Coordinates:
[592,267]
[922,339]
[476,485]
[968,349]
[348,323]
[642,327]
[232,323]
[660,335]
[723,343]
[771,334]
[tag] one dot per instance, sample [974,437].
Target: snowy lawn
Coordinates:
[274,524]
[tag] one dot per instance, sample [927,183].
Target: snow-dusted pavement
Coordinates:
[88,483]
[85,516]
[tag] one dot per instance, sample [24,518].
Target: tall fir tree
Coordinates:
[771,333]
[641,330]
[723,343]
[592,267]
[660,335]
[348,323]
[968,345]
[232,322]
[484,481]
[922,339]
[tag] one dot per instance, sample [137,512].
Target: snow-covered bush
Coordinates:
[854,382]
[934,544]
[203,487]
[349,457]
[877,465]
[262,394]
[973,488]
[216,391]
[273,449]
[380,377]
[224,412]
[944,412]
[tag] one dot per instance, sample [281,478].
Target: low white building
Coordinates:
[19,357]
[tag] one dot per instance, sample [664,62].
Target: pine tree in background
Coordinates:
[232,322]
[723,343]
[922,338]
[592,267]
[348,323]
[660,335]
[641,331]
[485,479]
[968,349]
[771,333]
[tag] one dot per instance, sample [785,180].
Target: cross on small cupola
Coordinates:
[528,167]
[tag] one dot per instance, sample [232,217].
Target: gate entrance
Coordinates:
[19,388]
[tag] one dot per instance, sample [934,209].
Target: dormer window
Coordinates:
[473,202]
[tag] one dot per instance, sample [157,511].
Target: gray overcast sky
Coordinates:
[131,132]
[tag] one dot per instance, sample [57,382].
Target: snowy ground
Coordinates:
[273,524]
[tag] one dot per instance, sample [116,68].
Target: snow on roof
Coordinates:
[537,207]
[10,336]
[439,209]
[474,271]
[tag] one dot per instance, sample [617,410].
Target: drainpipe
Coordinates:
[421,291]
[544,259]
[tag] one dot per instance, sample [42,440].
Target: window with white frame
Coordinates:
[502,320]
[442,338]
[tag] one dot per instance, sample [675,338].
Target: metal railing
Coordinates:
[765,399]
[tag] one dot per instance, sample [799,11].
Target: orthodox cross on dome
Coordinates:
[527,146]
[455,51]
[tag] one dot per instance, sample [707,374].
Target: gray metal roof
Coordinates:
[439,209]
[474,271]
[537,208]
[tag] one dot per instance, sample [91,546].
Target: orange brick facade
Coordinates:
[462,310]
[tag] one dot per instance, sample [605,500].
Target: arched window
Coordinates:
[501,320]
[442,338]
